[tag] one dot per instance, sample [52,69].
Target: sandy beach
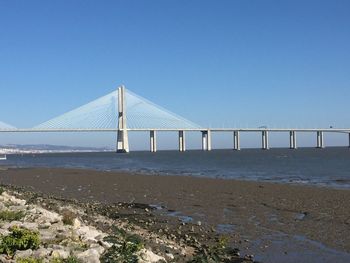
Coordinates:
[244,211]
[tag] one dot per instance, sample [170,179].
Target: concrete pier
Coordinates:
[265,140]
[206,140]
[122,135]
[236,141]
[153,141]
[320,139]
[209,140]
[182,141]
[292,140]
[349,140]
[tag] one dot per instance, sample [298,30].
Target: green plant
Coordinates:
[70,259]
[29,260]
[1,190]
[19,239]
[124,249]
[68,217]
[219,252]
[11,215]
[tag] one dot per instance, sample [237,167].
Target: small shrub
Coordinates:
[19,239]
[68,217]
[123,249]
[29,260]
[70,259]
[8,215]
[1,190]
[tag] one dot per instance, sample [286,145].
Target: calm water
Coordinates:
[326,167]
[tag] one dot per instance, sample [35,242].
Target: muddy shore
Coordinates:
[243,211]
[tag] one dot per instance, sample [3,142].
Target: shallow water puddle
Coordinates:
[279,247]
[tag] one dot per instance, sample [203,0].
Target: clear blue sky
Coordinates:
[232,63]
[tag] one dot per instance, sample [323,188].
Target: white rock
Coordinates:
[89,256]
[76,223]
[23,253]
[18,208]
[41,253]
[105,244]
[60,253]
[44,225]
[170,256]
[89,233]
[9,198]
[3,259]
[4,232]
[98,248]
[12,224]
[48,216]
[30,226]
[147,256]
[47,235]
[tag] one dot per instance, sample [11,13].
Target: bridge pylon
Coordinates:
[122,135]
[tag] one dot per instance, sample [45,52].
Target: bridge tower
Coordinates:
[122,136]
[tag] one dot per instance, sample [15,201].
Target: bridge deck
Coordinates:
[343,130]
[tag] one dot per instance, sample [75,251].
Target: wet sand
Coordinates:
[251,213]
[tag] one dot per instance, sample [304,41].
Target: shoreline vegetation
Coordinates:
[179,218]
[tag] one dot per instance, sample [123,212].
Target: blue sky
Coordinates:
[218,63]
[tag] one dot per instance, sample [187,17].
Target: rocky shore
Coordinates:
[37,228]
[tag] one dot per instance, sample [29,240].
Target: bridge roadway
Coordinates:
[206,134]
[342,130]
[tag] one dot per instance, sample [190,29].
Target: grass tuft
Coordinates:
[7,215]
[29,260]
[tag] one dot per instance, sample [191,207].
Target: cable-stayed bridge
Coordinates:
[122,111]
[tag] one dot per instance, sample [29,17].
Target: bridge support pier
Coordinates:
[349,140]
[320,140]
[236,141]
[265,140]
[153,141]
[122,135]
[209,140]
[292,140]
[206,140]
[182,141]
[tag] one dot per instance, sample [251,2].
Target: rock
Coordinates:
[48,216]
[169,256]
[199,223]
[89,233]
[3,259]
[9,198]
[98,248]
[41,253]
[147,256]
[60,253]
[89,256]
[30,226]
[76,223]
[44,225]
[47,236]
[11,224]
[105,244]
[23,254]
[18,208]
[4,232]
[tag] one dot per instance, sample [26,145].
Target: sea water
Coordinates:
[324,167]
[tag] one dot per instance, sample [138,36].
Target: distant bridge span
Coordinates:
[123,112]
